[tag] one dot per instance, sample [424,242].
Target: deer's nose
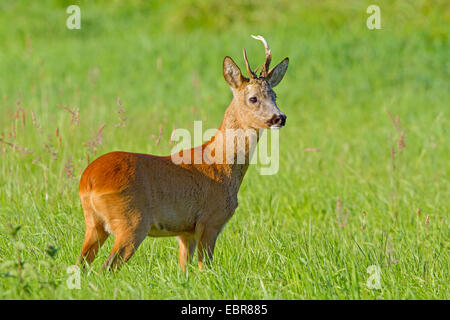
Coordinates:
[278,120]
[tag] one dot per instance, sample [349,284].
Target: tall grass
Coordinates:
[355,187]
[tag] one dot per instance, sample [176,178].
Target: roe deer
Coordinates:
[135,195]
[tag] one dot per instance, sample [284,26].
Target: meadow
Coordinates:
[364,156]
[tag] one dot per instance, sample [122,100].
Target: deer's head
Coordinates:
[256,101]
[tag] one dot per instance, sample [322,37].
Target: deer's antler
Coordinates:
[265,66]
[249,70]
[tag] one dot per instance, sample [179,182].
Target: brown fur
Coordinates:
[137,195]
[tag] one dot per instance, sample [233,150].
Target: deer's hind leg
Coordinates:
[127,221]
[95,234]
[127,240]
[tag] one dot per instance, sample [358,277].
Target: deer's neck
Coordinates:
[232,146]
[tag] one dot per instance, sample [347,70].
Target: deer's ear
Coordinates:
[277,73]
[232,73]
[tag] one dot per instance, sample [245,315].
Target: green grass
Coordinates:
[290,238]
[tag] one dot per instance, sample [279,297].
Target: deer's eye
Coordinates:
[253,99]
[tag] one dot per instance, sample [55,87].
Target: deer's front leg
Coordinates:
[206,246]
[187,247]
